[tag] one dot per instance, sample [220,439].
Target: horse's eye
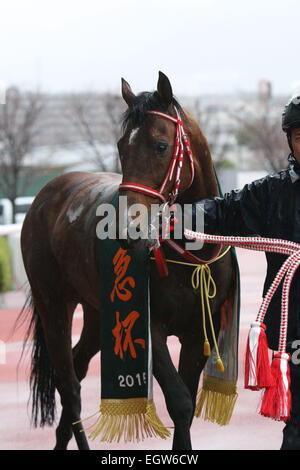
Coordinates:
[160,147]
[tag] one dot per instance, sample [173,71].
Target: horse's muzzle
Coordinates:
[136,240]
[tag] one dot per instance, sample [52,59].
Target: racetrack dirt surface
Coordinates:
[246,431]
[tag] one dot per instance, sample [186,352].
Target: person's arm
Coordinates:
[238,213]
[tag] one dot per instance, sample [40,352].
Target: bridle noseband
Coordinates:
[175,167]
[181,143]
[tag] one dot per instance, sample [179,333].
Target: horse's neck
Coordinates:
[204,184]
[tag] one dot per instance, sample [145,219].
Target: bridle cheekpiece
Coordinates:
[175,167]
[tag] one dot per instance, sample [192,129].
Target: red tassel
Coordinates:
[257,367]
[276,401]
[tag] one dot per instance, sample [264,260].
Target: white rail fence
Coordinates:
[13,234]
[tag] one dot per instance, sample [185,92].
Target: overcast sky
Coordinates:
[204,46]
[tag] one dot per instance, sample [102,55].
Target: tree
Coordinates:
[260,130]
[96,118]
[209,119]
[114,107]
[18,131]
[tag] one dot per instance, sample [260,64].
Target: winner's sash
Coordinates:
[127,409]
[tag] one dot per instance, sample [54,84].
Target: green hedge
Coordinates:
[6,275]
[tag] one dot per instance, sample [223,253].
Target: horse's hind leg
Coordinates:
[87,346]
[57,325]
[89,342]
[64,430]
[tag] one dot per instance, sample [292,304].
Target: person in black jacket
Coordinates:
[270,207]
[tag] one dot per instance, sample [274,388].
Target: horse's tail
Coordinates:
[42,375]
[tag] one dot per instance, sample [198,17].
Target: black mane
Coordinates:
[144,102]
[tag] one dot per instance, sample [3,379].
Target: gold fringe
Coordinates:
[216,400]
[133,419]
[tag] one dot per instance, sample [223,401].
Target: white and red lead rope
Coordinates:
[288,268]
[276,402]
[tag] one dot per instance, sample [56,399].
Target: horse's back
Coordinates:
[62,195]
[69,185]
[60,226]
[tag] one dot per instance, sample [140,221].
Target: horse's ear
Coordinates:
[127,93]
[164,89]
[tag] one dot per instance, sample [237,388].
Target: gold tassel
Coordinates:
[206,349]
[134,419]
[216,400]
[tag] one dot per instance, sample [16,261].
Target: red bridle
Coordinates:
[181,142]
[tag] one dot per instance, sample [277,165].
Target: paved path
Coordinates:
[247,429]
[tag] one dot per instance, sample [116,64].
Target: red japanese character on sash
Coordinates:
[121,261]
[122,327]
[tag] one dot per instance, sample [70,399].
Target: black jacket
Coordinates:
[269,207]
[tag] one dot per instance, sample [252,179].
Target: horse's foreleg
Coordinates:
[178,398]
[191,364]
[192,360]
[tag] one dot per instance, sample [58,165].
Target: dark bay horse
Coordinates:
[61,254]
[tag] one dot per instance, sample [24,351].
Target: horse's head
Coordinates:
[156,158]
